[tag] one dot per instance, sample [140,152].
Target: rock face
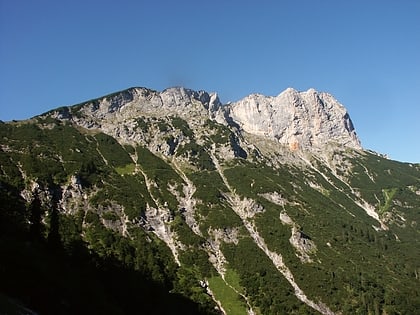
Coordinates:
[302,120]
[134,102]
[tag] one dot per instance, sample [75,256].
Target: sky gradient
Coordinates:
[365,53]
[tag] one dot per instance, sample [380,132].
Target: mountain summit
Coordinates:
[268,205]
[299,120]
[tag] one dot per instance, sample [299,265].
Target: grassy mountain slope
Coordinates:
[203,218]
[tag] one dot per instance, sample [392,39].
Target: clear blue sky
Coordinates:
[364,52]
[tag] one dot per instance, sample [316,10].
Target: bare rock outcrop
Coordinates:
[300,120]
[305,121]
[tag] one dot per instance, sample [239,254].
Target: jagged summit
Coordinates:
[300,120]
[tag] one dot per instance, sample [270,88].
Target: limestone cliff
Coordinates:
[299,120]
[302,120]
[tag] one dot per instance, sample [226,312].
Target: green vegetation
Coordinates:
[343,225]
[197,155]
[126,169]
[162,125]
[232,277]
[130,191]
[222,134]
[209,185]
[113,153]
[65,260]
[142,124]
[103,271]
[252,180]
[232,302]
[160,173]
[387,174]
[261,281]
[388,194]
[181,124]
[110,216]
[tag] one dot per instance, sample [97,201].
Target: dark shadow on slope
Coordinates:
[37,273]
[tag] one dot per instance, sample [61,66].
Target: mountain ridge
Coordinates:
[208,203]
[296,119]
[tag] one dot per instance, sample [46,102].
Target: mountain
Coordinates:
[172,202]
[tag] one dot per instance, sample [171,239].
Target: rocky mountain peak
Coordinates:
[305,120]
[179,96]
[138,101]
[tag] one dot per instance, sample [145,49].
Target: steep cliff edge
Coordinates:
[300,120]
